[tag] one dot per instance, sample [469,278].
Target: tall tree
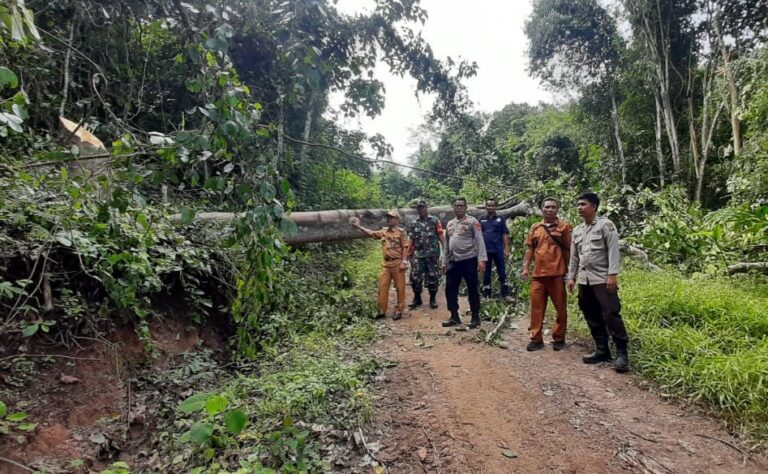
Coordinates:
[664,28]
[574,44]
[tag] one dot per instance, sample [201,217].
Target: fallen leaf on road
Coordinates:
[508,453]
[422,454]
[68,379]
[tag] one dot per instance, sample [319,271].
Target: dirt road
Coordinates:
[456,406]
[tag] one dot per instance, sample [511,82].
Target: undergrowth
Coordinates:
[277,412]
[702,339]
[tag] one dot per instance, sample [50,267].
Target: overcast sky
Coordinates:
[489,32]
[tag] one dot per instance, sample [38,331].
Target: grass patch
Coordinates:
[703,339]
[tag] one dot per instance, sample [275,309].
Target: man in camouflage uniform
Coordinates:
[427,243]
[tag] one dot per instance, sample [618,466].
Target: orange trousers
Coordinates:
[391,274]
[554,289]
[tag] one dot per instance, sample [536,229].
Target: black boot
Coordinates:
[475,322]
[621,364]
[416,301]
[602,353]
[433,299]
[453,321]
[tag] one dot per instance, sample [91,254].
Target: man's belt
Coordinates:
[389,259]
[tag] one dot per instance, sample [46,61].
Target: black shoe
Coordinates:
[433,299]
[534,346]
[451,322]
[380,316]
[397,316]
[602,353]
[416,301]
[621,364]
[475,323]
[558,345]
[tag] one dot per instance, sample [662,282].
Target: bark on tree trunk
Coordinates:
[330,226]
[280,132]
[659,48]
[307,126]
[659,150]
[733,91]
[617,135]
[744,267]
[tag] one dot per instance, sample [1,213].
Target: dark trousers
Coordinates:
[466,269]
[496,258]
[602,310]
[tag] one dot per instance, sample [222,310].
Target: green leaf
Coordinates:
[27,426]
[18,416]
[216,404]
[29,330]
[508,453]
[193,85]
[143,221]
[8,77]
[3,409]
[187,215]
[194,403]
[288,226]
[200,433]
[235,421]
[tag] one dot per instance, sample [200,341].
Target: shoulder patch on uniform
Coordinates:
[609,225]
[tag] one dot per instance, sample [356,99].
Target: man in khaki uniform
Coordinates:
[394,247]
[595,266]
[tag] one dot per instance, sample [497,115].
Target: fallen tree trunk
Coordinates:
[637,252]
[330,226]
[744,267]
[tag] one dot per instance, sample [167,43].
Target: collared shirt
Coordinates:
[394,245]
[494,228]
[594,252]
[465,240]
[549,258]
[425,236]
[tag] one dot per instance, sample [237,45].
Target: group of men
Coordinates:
[562,257]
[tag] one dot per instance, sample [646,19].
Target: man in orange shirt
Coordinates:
[394,247]
[549,243]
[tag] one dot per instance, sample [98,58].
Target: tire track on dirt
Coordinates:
[455,406]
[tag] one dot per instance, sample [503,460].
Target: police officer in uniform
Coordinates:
[464,258]
[427,243]
[594,266]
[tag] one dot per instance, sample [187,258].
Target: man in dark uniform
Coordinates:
[496,237]
[594,266]
[427,243]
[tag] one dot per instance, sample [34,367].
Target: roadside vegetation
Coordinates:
[175,108]
[702,339]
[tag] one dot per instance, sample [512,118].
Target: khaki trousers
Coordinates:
[391,274]
[554,289]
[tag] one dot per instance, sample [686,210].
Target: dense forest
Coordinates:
[121,121]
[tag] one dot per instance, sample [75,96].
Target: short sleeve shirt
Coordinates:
[549,257]
[394,245]
[425,236]
[595,252]
[494,229]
